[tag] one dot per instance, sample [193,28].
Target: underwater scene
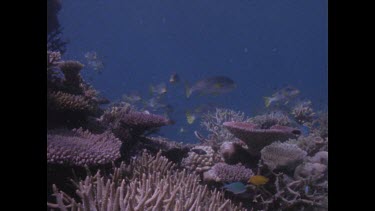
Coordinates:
[183,105]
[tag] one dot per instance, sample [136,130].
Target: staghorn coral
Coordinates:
[150,190]
[303,112]
[257,138]
[266,121]
[279,154]
[200,159]
[222,172]
[80,148]
[213,122]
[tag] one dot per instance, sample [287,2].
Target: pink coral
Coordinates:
[79,148]
[257,138]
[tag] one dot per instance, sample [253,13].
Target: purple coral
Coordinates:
[79,148]
[222,172]
[125,122]
[257,138]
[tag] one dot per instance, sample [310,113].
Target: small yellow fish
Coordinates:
[258,180]
[190,117]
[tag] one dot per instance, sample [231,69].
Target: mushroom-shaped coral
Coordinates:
[282,155]
[200,159]
[80,148]
[257,138]
[222,172]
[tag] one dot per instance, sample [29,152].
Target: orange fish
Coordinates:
[258,180]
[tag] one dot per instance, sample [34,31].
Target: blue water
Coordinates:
[261,44]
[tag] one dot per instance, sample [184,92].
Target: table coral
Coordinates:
[257,138]
[80,148]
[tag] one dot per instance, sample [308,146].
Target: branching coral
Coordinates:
[257,138]
[200,159]
[155,190]
[282,155]
[213,122]
[80,148]
[293,194]
[222,172]
[266,121]
[303,112]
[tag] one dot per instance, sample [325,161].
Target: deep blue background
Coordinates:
[260,44]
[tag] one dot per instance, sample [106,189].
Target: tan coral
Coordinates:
[282,155]
[64,101]
[200,162]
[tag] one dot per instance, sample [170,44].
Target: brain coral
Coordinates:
[80,148]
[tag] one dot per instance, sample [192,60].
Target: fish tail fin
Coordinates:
[189,117]
[188,90]
[267,101]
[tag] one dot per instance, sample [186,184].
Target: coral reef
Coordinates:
[154,188]
[222,172]
[125,121]
[289,194]
[303,112]
[257,138]
[266,121]
[319,157]
[312,171]
[235,152]
[311,144]
[70,101]
[80,148]
[213,122]
[320,124]
[54,31]
[200,159]
[65,101]
[279,154]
